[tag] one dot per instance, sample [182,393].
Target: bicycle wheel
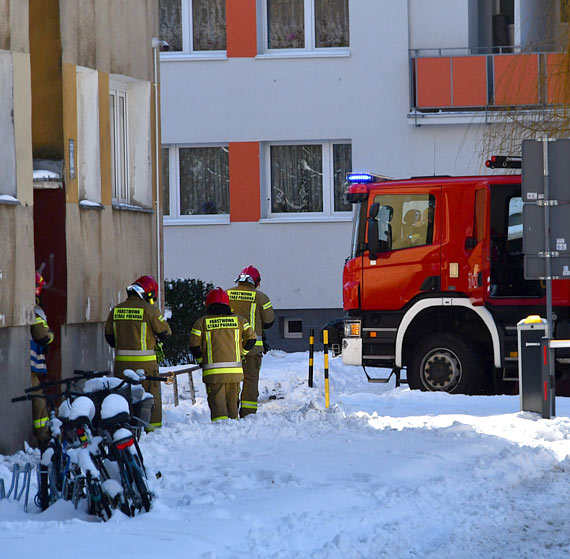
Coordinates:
[140,481]
[97,500]
[42,499]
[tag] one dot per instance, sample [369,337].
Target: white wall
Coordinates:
[452,23]
[300,266]
[7,149]
[363,97]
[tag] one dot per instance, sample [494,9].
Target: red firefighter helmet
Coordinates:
[251,275]
[146,287]
[217,295]
[40,282]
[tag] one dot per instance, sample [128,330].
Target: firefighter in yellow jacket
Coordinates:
[134,328]
[246,300]
[40,338]
[219,340]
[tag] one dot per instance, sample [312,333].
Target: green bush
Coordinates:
[185,300]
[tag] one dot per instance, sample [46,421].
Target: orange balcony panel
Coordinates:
[557,79]
[469,81]
[516,79]
[241,28]
[433,82]
[244,181]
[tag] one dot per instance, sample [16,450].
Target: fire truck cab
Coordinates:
[435,281]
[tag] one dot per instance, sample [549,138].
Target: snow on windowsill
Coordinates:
[44,174]
[89,204]
[9,200]
[131,208]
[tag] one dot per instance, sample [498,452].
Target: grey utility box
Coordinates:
[531,331]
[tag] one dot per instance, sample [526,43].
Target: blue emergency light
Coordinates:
[360,177]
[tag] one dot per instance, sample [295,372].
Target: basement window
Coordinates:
[292,327]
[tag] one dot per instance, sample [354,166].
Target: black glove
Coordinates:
[266,346]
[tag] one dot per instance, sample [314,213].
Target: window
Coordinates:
[88,151]
[405,220]
[196,27]
[306,24]
[199,182]
[119,145]
[308,178]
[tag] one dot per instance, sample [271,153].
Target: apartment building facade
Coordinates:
[267,104]
[78,126]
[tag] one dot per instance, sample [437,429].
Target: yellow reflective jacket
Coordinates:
[134,325]
[221,339]
[247,301]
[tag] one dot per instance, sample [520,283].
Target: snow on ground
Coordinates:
[384,472]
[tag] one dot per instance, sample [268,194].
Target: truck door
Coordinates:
[409,261]
[478,247]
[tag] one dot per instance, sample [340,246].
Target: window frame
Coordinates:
[328,212]
[310,36]
[174,217]
[118,89]
[187,39]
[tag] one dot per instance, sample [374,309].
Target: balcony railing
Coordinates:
[456,80]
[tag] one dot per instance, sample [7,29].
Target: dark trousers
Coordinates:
[153,386]
[250,392]
[223,400]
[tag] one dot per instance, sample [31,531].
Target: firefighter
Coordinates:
[246,300]
[219,340]
[40,338]
[135,328]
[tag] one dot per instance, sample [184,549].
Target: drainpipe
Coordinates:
[156,45]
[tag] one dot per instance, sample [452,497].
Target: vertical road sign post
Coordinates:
[546,229]
[326,350]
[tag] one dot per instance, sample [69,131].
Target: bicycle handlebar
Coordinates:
[21,398]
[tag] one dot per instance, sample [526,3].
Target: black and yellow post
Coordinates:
[311,354]
[326,349]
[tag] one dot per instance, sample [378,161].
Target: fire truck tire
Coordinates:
[443,362]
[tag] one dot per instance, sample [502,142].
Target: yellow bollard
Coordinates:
[311,353]
[326,348]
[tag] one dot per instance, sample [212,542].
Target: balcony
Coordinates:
[458,82]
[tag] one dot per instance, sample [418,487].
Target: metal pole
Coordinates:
[311,354]
[156,50]
[548,255]
[326,348]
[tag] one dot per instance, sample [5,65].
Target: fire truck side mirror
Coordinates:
[373,240]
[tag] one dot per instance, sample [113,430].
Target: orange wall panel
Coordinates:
[241,28]
[557,79]
[244,181]
[469,81]
[433,82]
[516,79]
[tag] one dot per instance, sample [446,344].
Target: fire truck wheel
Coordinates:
[445,363]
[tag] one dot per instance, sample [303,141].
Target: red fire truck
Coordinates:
[435,281]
